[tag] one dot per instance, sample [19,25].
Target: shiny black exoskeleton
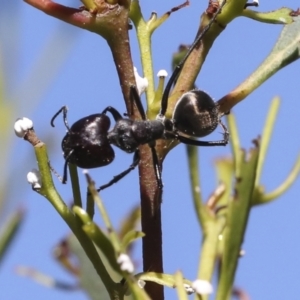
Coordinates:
[88,141]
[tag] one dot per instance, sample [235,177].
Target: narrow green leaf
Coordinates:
[238,213]
[225,172]
[262,198]
[98,237]
[113,237]
[131,221]
[193,161]
[88,278]
[9,230]
[279,16]
[159,21]
[266,136]
[103,243]
[129,237]
[160,278]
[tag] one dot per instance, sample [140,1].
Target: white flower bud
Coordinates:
[22,125]
[141,82]
[188,289]
[34,178]
[162,73]
[141,283]
[202,287]
[125,263]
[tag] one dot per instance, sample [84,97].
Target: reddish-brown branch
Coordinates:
[111,22]
[67,14]
[151,222]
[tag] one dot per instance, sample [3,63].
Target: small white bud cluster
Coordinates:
[162,73]
[202,287]
[141,283]
[34,178]
[125,263]
[22,125]
[189,290]
[141,82]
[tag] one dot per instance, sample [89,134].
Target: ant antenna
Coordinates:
[164,101]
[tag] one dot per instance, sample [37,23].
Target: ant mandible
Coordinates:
[88,141]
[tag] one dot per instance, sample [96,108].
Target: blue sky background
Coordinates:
[48,64]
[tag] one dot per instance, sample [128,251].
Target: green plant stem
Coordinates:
[144,40]
[285,51]
[209,224]
[182,295]
[111,232]
[48,191]
[237,218]
[192,152]
[235,143]
[209,252]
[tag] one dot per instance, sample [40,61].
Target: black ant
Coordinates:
[88,141]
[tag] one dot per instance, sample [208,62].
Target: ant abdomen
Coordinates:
[195,114]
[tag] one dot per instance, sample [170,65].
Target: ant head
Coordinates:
[86,144]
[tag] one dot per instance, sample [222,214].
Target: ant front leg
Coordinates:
[134,95]
[136,160]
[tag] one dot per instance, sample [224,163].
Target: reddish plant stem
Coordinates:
[150,202]
[67,14]
[150,205]
[151,222]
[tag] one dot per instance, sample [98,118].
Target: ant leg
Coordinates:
[55,173]
[164,101]
[116,115]
[136,160]
[189,141]
[156,167]
[65,173]
[226,132]
[248,4]
[63,110]
[137,100]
